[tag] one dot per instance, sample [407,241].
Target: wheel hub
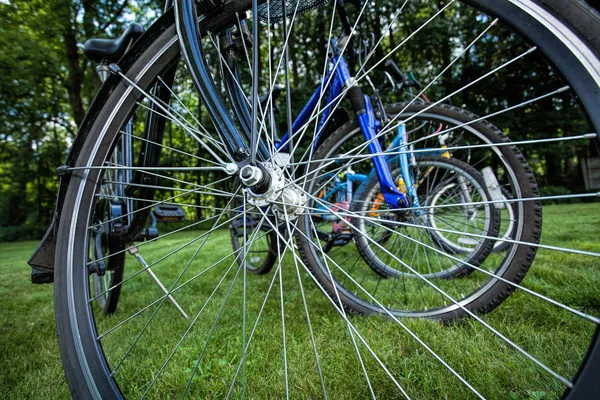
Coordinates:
[266,185]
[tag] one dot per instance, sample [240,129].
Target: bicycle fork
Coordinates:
[369,126]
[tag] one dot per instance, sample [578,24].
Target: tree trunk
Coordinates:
[554,175]
[75,77]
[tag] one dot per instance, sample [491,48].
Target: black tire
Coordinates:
[514,266]
[506,232]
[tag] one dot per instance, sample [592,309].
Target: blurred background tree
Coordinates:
[45,89]
[47,84]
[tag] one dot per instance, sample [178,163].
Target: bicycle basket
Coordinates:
[272,11]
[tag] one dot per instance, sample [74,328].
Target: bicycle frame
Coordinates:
[188,29]
[333,86]
[345,187]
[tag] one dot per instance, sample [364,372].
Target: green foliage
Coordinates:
[47,84]
[15,233]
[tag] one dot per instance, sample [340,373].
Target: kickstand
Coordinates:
[134,251]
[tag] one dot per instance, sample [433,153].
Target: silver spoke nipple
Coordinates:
[231,168]
[133,250]
[114,68]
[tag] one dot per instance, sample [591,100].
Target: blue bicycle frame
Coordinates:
[336,79]
[345,188]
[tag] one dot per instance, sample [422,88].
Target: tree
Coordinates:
[46,87]
[47,84]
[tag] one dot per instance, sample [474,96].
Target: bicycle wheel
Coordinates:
[413,252]
[508,227]
[264,336]
[438,180]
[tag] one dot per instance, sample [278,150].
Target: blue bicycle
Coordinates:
[428,177]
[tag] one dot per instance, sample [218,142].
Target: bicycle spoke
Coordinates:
[220,144]
[165,235]
[264,302]
[177,288]
[212,330]
[243,263]
[184,123]
[492,275]
[156,202]
[403,326]
[352,337]
[187,331]
[503,201]
[562,379]
[375,221]
[363,146]
[145,169]
[356,158]
[262,127]
[283,336]
[185,153]
[185,192]
[364,75]
[494,114]
[290,244]
[139,335]
[349,324]
[166,111]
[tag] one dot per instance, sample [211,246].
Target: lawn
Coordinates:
[32,367]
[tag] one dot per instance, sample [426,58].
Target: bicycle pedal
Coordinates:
[169,213]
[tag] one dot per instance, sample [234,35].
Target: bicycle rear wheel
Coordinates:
[437,179]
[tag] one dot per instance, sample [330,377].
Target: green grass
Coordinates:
[32,368]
